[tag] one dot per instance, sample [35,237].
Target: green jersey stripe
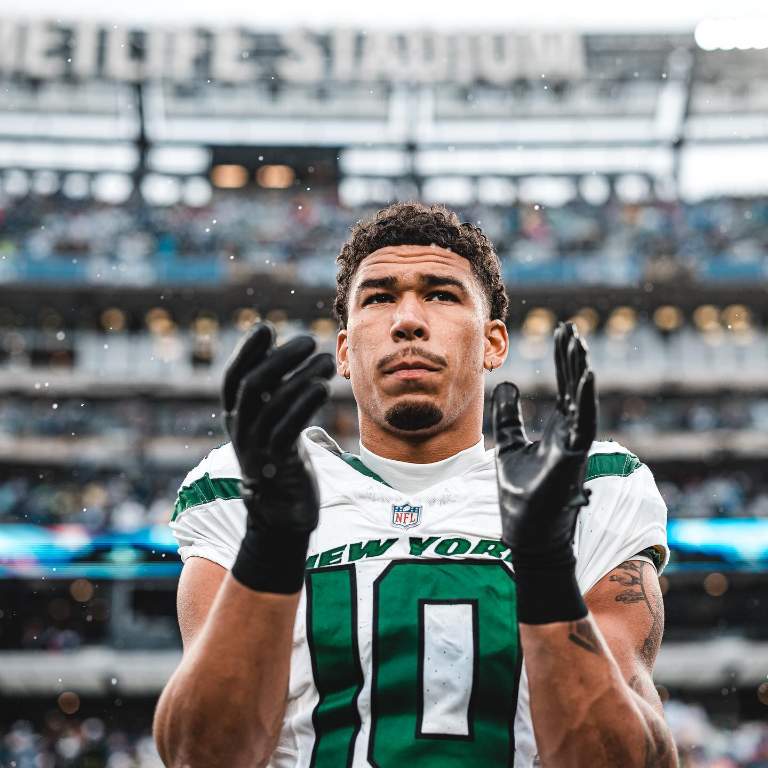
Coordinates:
[355,462]
[611,464]
[598,465]
[206,489]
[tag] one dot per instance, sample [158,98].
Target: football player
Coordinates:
[426,602]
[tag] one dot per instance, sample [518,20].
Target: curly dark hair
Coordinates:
[413,223]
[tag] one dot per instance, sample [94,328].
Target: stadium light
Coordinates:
[595,189]
[355,191]
[373,162]
[547,190]
[707,318]
[197,192]
[737,318]
[112,188]
[69,702]
[76,186]
[113,320]
[633,188]
[586,320]
[45,183]
[245,318]
[275,176]
[81,590]
[741,34]
[229,176]
[544,161]
[668,318]
[324,328]
[16,183]
[450,190]
[205,324]
[715,584]
[74,156]
[493,190]
[621,322]
[723,169]
[159,322]
[161,190]
[181,159]
[539,322]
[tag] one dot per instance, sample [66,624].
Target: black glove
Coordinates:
[265,409]
[541,485]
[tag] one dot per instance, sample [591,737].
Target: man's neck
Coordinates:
[418,450]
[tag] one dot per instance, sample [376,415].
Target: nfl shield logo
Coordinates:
[405,516]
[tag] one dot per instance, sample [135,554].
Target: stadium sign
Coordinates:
[45,50]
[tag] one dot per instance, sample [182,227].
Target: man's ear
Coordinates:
[342,362]
[496,344]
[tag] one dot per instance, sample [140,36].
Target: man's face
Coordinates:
[417,338]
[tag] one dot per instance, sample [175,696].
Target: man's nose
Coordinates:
[409,321]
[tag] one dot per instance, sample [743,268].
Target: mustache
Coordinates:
[425,354]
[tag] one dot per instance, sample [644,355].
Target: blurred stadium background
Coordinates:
[163,188]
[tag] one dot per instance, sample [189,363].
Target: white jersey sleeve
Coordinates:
[209,515]
[626,515]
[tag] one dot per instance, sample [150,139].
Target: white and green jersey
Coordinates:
[406,648]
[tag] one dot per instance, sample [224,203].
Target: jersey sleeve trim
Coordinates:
[204,490]
[655,554]
[611,464]
[649,538]
[208,552]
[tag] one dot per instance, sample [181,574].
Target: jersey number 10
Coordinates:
[445,664]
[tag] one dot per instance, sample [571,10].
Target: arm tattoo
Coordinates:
[581,633]
[631,578]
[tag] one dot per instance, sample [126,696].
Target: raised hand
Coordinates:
[541,484]
[269,394]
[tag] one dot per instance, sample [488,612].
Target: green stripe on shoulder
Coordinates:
[356,463]
[204,490]
[611,465]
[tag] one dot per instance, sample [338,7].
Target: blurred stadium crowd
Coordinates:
[136,419]
[125,501]
[108,461]
[611,241]
[129,497]
[74,742]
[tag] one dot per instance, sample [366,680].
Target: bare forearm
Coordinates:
[225,703]
[584,713]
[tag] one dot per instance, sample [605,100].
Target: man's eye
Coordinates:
[377,298]
[443,296]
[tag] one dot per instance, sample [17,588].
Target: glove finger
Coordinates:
[586,429]
[288,429]
[320,366]
[256,388]
[561,362]
[249,352]
[576,365]
[580,359]
[507,418]
[323,362]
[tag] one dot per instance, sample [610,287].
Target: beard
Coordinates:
[413,416]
